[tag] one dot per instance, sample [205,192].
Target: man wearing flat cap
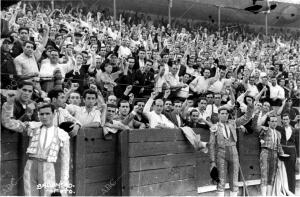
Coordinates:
[223,151]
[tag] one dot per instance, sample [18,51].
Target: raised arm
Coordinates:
[279,111]
[246,117]
[8,121]
[148,105]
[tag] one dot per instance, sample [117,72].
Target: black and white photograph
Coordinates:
[150,98]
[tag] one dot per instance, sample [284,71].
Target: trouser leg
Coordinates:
[269,190]
[30,178]
[47,176]
[263,189]
[264,171]
[290,164]
[222,168]
[233,168]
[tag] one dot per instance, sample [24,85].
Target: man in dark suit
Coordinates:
[140,61]
[175,115]
[289,142]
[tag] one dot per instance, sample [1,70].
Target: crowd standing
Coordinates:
[135,72]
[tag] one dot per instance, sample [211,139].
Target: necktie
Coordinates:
[45,139]
[226,132]
[274,137]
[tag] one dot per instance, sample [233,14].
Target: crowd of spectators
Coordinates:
[136,72]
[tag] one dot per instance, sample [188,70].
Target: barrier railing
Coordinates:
[134,162]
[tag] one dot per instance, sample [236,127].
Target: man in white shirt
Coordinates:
[277,94]
[87,115]
[124,50]
[253,90]
[47,68]
[220,83]
[200,84]
[156,118]
[172,79]
[203,114]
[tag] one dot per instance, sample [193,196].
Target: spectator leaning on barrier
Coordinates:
[87,115]
[156,118]
[125,60]
[61,114]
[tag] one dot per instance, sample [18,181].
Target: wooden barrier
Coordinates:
[161,162]
[134,162]
[95,164]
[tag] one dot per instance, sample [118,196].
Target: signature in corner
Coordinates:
[107,187]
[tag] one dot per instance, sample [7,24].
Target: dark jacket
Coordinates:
[172,117]
[293,141]
[8,71]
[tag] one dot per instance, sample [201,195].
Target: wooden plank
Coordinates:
[9,187]
[202,171]
[159,148]
[9,151]
[123,164]
[79,165]
[187,193]
[100,173]
[99,146]
[149,177]
[99,159]
[104,188]
[94,133]
[158,135]
[167,188]
[9,169]
[9,136]
[162,161]
[250,167]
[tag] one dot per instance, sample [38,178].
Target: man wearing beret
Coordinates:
[223,151]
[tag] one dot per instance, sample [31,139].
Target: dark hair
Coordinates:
[55,50]
[142,49]
[168,100]
[122,101]
[57,35]
[148,60]
[85,52]
[177,101]
[193,110]
[285,114]
[89,91]
[54,93]
[23,28]
[47,106]
[21,84]
[111,106]
[201,99]
[29,42]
